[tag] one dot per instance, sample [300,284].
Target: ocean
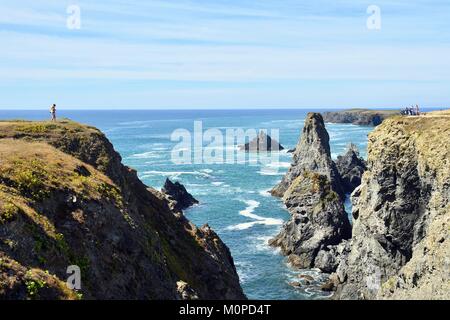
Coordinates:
[233,196]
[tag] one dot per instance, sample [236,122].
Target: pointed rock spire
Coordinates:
[312,153]
[312,194]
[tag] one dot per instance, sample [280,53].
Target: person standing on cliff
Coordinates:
[53,112]
[417,110]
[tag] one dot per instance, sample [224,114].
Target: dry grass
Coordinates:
[44,129]
[429,133]
[35,168]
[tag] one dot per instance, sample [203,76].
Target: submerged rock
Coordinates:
[262,142]
[295,284]
[351,168]
[311,192]
[178,194]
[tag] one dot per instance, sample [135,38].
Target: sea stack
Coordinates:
[312,154]
[178,195]
[312,194]
[351,167]
[262,142]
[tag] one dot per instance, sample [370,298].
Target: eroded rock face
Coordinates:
[66,199]
[312,194]
[400,246]
[261,143]
[351,168]
[312,154]
[178,194]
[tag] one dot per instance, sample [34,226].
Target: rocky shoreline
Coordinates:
[399,246]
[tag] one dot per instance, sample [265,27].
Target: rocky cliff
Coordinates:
[365,117]
[179,198]
[351,167]
[311,191]
[400,246]
[66,199]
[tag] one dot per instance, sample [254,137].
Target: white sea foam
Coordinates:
[145,155]
[217,183]
[173,174]
[248,212]
[279,165]
[265,192]
[261,243]
[270,172]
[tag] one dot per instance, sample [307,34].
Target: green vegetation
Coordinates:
[30,178]
[33,285]
[110,192]
[8,212]
[36,128]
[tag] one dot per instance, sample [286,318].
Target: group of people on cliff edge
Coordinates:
[411,111]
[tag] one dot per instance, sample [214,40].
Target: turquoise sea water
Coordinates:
[233,197]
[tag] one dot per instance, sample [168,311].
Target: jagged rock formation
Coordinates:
[351,168]
[178,196]
[312,154]
[262,142]
[312,194]
[400,246]
[66,199]
[365,117]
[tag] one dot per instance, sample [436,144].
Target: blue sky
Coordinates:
[224,54]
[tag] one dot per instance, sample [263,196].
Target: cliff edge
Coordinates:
[400,248]
[66,199]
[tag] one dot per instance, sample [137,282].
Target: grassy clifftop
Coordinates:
[66,199]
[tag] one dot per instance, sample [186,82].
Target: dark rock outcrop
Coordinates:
[400,247]
[178,195]
[66,199]
[359,116]
[262,142]
[351,168]
[312,194]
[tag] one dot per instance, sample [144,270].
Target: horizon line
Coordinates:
[203,109]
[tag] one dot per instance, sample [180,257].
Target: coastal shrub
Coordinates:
[36,128]
[110,192]
[33,285]
[31,179]
[8,212]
